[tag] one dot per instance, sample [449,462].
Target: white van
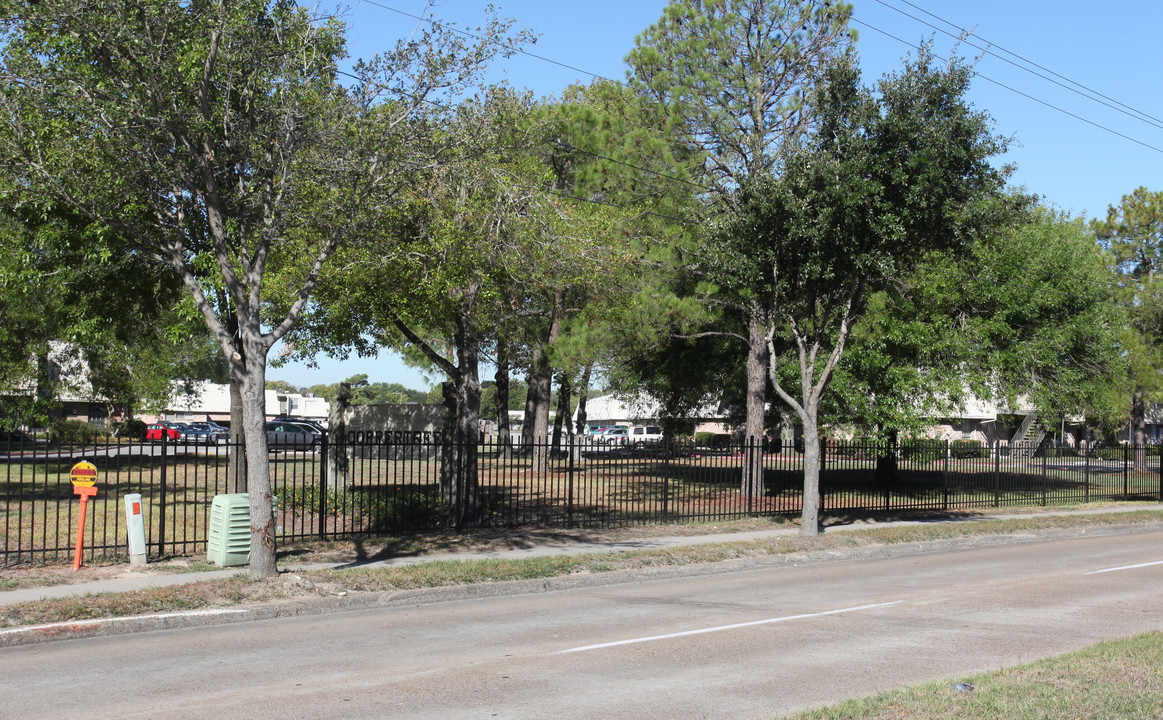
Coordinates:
[643,435]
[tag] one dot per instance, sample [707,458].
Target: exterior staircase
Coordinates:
[1027,438]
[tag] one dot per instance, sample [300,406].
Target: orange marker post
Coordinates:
[84,477]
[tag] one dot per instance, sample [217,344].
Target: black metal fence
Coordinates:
[394,482]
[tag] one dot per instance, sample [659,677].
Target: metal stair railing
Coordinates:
[1022,445]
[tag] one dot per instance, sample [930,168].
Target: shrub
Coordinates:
[1061,452]
[922,449]
[858,448]
[1118,452]
[968,449]
[1110,453]
[134,429]
[73,432]
[712,440]
[397,511]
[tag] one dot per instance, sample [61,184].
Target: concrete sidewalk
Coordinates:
[134,579]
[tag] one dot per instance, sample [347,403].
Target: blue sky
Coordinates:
[1080,154]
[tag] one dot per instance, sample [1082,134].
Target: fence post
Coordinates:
[892,453]
[161,532]
[997,474]
[821,487]
[945,479]
[1086,471]
[748,469]
[1161,472]
[569,501]
[1126,457]
[667,447]
[1045,455]
[324,454]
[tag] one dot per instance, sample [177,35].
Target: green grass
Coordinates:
[1119,679]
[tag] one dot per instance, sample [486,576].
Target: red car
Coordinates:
[154,432]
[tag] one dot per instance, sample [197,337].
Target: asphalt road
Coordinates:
[752,644]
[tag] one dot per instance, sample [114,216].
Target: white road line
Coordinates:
[111,620]
[724,627]
[1124,567]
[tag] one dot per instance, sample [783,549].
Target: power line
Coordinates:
[656,173]
[1142,115]
[1007,87]
[453,28]
[1049,105]
[963,37]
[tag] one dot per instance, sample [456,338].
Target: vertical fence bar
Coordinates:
[1161,472]
[997,475]
[892,458]
[668,448]
[749,465]
[161,536]
[569,471]
[324,454]
[945,479]
[821,486]
[1126,458]
[1086,473]
[1045,470]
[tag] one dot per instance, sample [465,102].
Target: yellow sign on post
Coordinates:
[84,477]
[84,474]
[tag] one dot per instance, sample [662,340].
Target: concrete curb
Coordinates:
[355,601]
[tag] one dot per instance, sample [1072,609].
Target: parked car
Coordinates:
[202,433]
[643,435]
[317,427]
[615,435]
[284,434]
[156,431]
[595,431]
[15,437]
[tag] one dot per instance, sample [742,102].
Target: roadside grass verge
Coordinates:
[1116,679]
[241,590]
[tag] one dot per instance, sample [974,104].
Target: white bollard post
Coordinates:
[135,525]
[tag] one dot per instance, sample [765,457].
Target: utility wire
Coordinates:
[1007,87]
[568,146]
[1051,106]
[1151,120]
[453,28]
[1142,115]
[963,38]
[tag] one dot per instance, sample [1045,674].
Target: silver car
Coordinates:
[283,433]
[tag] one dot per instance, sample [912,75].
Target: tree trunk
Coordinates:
[448,458]
[466,493]
[252,377]
[536,430]
[338,470]
[810,519]
[530,410]
[753,432]
[561,420]
[504,432]
[583,392]
[886,462]
[1139,425]
[541,384]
